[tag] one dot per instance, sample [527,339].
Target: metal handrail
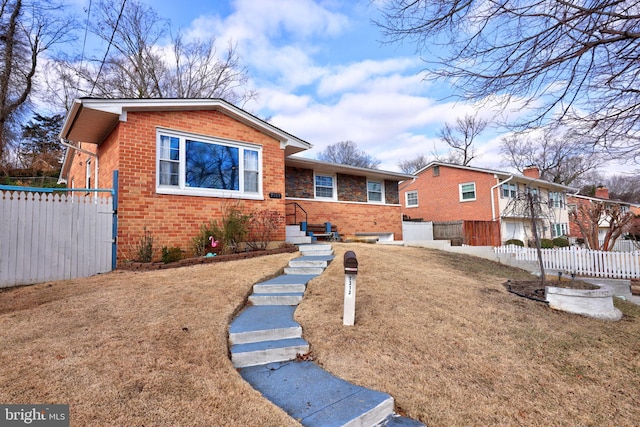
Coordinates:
[295,210]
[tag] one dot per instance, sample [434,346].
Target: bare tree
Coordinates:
[348,153]
[27,30]
[413,164]
[146,61]
[460,138]
[591,216]
[565,59]
[560,156]
[623,187]
[528,204]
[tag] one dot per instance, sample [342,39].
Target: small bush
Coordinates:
[232,231]
[144,247]
[262,225]
[546,243]
[561,242]
[171,254]
[516,242]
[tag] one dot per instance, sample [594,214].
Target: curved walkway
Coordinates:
[266,343]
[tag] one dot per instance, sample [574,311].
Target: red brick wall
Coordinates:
[439,196]
[351,218]
[174,220]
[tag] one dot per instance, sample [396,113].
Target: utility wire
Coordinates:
[113,34]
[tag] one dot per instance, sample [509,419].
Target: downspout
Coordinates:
[493,205]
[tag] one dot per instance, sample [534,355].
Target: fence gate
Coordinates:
[47,235]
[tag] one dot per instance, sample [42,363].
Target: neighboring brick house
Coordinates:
[443,192]
[182,161]
[601,195]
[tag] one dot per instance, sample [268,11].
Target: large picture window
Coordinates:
[207,166]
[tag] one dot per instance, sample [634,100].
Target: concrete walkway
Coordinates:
[266,344]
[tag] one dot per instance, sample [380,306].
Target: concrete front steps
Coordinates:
[296,236]
[265,331]
[266,342]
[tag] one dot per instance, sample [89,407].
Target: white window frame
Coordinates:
[183,189]
[511,190]
[334,186]
[562,227]
[406,199]
[382,195]
[475,193]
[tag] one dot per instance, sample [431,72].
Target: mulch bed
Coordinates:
[146,266]
[534,290]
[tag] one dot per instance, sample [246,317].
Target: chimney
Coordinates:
[602,192]
[532,172]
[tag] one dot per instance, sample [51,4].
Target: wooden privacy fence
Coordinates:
[53,236]
[473,233]
[614,265]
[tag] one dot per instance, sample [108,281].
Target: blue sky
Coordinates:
[323,75]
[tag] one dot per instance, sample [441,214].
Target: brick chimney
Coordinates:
[602,192]
[532,172]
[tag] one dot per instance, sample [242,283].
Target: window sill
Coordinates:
[209,193]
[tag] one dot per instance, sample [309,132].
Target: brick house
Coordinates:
[442,192]
[357,200]
[601,195]
[182,161]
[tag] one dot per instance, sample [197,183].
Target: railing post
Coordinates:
[350,272]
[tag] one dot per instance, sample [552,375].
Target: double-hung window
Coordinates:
[467,192]
[203,166]
[374,191]
[324,186]
[509,190]
[556,199]
[559,229]
[411,198]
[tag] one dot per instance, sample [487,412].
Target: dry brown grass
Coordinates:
[134,349]
[437,331]
[440,333]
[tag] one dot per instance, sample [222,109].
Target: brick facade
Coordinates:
[299,182]
[352,218]
[352,188]
[173,220]
[439,195]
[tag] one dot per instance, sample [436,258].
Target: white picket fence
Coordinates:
[49,236]
[613,265]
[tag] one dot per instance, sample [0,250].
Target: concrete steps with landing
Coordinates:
[264,323]
[296,236]
[272,298]
[265,342]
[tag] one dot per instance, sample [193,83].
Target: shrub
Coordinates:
[144,247]
[262,225]
[546,243]
[171,254]
[516,242]
[561,242]
[232,231]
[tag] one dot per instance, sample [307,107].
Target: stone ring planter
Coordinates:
[596,303]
